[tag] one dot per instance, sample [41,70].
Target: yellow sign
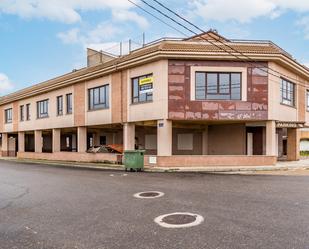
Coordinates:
[145,81]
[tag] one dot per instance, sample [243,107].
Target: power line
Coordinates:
[158,18]
[183,26]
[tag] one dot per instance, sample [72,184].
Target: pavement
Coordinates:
[302,164]
[53,207]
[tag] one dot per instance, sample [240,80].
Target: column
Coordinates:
[293,144]
[165,137]
[21,141]
[81,139]
[271,139]
[56,140]
[5,144]
[129,136]
[38,141]
[205,141]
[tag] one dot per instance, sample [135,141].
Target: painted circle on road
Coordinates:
[148,195]
[179,220]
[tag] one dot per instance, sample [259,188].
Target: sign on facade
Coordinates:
[146,85]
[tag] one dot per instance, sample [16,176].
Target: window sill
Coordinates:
[142,102]
[42,117]
[220,100]
[98,109]
[292,106]
[8,123]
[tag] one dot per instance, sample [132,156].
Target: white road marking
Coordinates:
[138,195]
[198,220]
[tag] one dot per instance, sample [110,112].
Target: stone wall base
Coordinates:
[205,161]
[72,156]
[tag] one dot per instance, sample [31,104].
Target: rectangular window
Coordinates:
[28,112]
[98,97]
[8,115]
[217,86]
[21,113]
[69,103]
[307,99]
[42,109]
[60,105]
[142,88]
[287,92]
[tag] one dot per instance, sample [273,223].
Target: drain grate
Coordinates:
[149,194]
[179,220]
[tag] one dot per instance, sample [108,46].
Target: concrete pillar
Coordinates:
[165,137]
[56,140]
[129,136]
[21,141]
[5,144]
[81,139]
[205,141]
[38,141]
[293,144]
[271,139]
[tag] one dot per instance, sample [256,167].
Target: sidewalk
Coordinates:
[302,164]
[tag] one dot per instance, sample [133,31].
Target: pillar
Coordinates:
[81,139]
[271,139]
[165,137]
[21,141]
[38,141]
[205,141]
[129,136]
[293,144]
[5,144]
[56,140]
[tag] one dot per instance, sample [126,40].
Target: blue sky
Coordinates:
[42,39]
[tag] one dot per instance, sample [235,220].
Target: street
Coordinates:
[49,207]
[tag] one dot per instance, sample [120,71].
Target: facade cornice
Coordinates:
[156,54]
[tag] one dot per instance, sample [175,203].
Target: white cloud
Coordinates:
[68,11]
[5,84]
[99,34]
[69,37]
[304,24]
[245,10]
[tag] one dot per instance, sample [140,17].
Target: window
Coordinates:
[98,97]
[307,99]
[60,105]
[21,113]
[287,92]
[217,86]
[8,115]
[28,112]
[42,109]
[142,91]
[69,103]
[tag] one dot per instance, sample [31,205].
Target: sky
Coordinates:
[42,39]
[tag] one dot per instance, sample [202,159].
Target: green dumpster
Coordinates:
[134,160]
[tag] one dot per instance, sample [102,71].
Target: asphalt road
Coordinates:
[46,207]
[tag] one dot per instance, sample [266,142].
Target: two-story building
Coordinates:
[185,102]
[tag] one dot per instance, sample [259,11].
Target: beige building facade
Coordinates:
[186,103]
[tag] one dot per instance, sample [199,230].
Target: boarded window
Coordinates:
[185,141]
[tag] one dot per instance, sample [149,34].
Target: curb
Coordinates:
[115,167]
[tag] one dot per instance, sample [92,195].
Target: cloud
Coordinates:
[304,24]
[5,84]
[245,10]
[68,11]
[101,33]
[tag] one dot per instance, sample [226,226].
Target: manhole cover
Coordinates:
[179,220]
[149,194]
